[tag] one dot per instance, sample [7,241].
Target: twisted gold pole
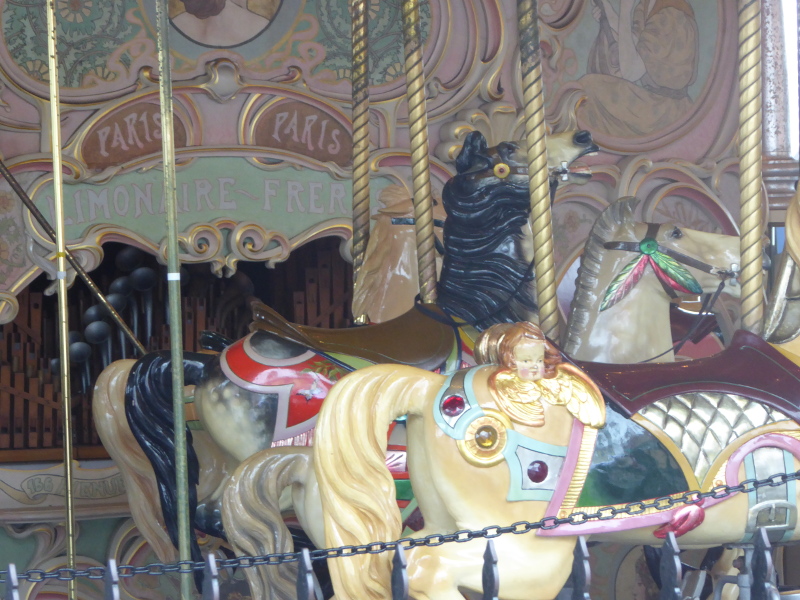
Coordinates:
[533,97]
[360,81]
[420,169]
[750,164]
[61,276]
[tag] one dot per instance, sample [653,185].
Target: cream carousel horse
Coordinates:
[491,447]
[256,525]
[389,280]
[486,279]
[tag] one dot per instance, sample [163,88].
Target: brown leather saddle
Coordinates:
[417,338]
[749,367]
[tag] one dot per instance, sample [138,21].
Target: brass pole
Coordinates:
[420,168]
[61,276]
[533,97]
[360,82]
[51,233]
[751,216]
[174,290]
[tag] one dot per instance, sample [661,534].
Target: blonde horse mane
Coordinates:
[604,229]
[357,491]
[252,517]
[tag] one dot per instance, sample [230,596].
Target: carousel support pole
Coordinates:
[61,275]
[174,291]
[533,98]
[71,259]
[751,216]
[360,81]
[420,165]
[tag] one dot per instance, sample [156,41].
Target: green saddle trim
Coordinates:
[629,464]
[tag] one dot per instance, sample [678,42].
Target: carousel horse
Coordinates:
[628,276]
[255,525]
[268,387]
[383,293]
[487,446]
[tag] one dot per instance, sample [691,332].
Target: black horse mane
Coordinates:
[148,407]
[484,278]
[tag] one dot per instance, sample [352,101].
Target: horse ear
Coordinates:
[474,145]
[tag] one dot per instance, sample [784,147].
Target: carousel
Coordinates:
[426,299]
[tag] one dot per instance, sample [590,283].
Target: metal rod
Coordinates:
[541,225]
[61,278]
[360,81]
[751,216]
[71,259]
[174,290]
[420,164]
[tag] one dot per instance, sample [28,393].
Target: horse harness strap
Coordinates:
[649,243]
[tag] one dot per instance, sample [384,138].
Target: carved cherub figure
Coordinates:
[533,372]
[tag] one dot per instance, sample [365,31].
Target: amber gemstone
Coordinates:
[537,471]
[453,406]
[486,436]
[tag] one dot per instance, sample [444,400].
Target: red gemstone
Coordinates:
[453,406]
[537,471]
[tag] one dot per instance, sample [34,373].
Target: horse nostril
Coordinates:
[582,138]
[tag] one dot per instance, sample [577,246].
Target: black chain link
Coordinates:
[436,539]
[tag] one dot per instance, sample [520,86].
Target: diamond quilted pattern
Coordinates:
[703,424]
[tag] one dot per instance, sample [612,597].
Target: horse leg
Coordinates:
[251,512]
[448,571]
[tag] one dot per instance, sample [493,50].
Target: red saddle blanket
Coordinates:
[749,367]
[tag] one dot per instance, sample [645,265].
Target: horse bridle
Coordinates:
[649,244]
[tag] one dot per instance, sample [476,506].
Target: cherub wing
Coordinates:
[581,396]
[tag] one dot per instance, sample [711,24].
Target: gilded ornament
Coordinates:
[485,439]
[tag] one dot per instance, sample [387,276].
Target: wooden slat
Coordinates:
[188,322]
[324,289]
[6,423]
[51,416]
[299,303]
[312,296]
[338,276]
[33,422]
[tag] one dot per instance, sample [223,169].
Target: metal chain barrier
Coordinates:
[492,531]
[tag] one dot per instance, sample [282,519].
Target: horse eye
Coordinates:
[676,234]
[501,170]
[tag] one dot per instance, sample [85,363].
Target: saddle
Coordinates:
[416,338]
[749,367]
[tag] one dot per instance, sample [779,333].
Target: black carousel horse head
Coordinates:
[485,277]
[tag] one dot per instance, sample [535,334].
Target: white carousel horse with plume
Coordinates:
[491,446]
[629,274]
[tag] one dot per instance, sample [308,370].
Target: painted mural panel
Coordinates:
[651,79]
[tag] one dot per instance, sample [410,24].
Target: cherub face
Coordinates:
[529,357]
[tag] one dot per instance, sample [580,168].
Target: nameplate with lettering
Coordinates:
[285,199]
